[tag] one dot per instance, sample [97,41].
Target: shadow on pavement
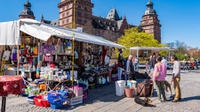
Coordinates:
[102,94]
[190,98]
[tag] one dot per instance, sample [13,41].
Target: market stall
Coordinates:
[43,55]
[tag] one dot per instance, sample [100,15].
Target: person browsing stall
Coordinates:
[159,75]
[130,68]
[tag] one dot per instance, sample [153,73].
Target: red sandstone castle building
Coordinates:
[111,27]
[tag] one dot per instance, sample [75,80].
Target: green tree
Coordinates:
[132,38]
[180,49]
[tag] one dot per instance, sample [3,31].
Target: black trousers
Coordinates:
[131,76]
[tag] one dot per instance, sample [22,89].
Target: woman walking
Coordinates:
[159,75]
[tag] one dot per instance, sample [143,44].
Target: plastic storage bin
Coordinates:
[56,105]
[120,87]
[30,100]
[132,83]
[76,100]
[41,102]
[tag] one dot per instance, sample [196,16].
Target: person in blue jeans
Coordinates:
[196,64]
[136,63]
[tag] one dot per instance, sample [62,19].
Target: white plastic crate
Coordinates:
[76,100]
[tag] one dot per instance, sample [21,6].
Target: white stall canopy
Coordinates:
[9,33]
[150,48]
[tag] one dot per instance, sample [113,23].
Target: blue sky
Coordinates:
[179,18]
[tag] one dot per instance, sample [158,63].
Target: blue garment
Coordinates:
[124,61]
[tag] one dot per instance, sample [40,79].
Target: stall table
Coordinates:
[10,84]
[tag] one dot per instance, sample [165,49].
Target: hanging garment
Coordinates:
[35,50]
[30,59]
[76,54]
[14,55]
[22,46]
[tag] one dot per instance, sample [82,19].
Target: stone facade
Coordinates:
[150,22]
[83,12]
[111,27]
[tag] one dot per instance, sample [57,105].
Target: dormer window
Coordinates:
[113,28]
[108,28]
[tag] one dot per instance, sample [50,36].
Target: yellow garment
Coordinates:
[177,88]
[3,62]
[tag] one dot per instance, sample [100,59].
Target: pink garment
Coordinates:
[163,72]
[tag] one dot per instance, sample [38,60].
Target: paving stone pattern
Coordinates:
[103,99]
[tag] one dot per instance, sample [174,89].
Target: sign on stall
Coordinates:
[79,29]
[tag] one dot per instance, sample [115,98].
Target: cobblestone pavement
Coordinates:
[103,99]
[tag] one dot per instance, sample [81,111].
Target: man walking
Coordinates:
[176,78]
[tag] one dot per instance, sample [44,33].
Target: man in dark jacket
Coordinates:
[130,68]
[153,61]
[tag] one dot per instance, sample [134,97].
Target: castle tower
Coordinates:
[83,12]
[27,12]
[150,22]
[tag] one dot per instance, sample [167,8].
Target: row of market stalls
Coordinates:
[45,57]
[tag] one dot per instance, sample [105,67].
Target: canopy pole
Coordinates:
[18,60]
[137,53]
[73,38]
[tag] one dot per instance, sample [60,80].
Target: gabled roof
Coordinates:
[104,23]
[113,15]
[119,23]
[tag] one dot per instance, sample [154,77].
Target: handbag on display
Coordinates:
[68,52]
[6,55]
[68,45]
[48,58]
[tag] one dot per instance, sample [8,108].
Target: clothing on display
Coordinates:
[14,55]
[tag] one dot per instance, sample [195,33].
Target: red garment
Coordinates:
[103,54]
[119,64]
[30,59]
[11,85]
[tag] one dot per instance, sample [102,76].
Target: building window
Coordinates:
[63,15]
[85,21]
[67,20]
[108,28]
[67,13]
[63,21]
[79,20]
[86,8]
[63,8]
[98,33]
[85,15]
[67,6]
[79,6]
[79,13]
